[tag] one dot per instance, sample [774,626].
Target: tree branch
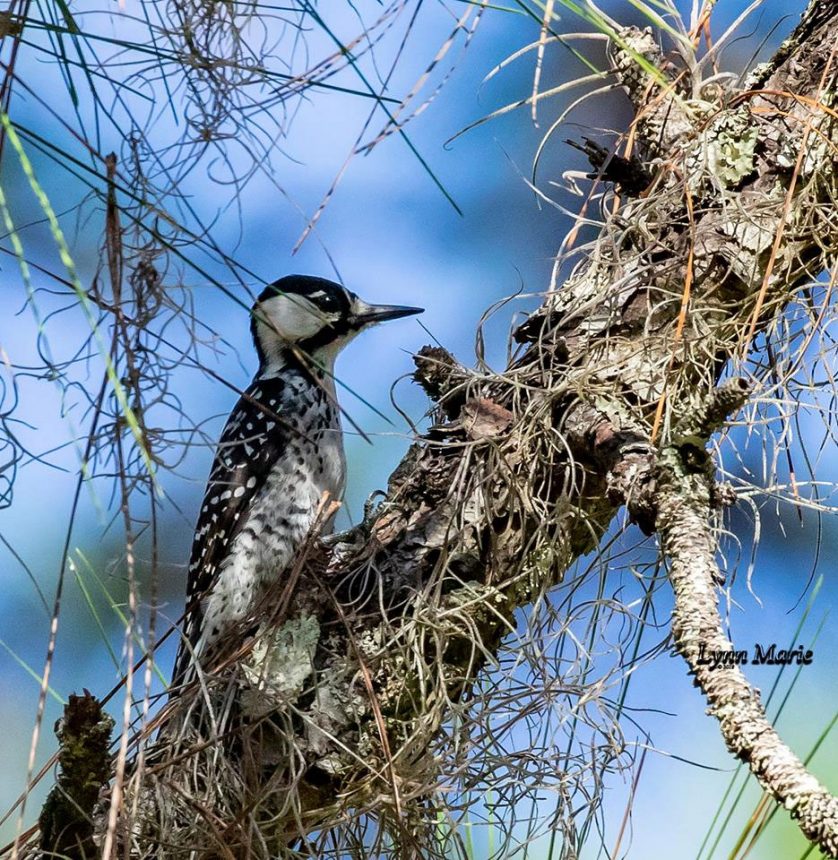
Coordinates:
[684,511]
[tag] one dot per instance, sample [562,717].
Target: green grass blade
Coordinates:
[70,266]
[23,664]
[88,599]
[116,608]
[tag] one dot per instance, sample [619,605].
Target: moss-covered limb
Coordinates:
[84,736]
[723,402]
[689,545]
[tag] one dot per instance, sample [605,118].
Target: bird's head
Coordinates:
[314,317]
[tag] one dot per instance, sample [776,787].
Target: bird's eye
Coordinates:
[327,302]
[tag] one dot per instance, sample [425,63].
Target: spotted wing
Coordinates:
[253,439]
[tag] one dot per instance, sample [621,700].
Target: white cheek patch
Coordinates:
[293,317]
[360,307]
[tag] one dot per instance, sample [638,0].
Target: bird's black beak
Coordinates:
[371,314]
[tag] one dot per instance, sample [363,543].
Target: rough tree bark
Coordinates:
[611,403]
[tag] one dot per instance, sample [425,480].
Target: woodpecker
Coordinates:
[280,451]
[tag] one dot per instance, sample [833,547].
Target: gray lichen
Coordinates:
[281,662]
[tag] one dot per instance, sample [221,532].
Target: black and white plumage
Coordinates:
[280,451]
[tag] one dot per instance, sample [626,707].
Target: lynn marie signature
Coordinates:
[764,655]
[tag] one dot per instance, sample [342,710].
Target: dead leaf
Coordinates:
[482,418]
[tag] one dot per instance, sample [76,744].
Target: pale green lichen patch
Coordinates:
[280,663]
[730,148]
